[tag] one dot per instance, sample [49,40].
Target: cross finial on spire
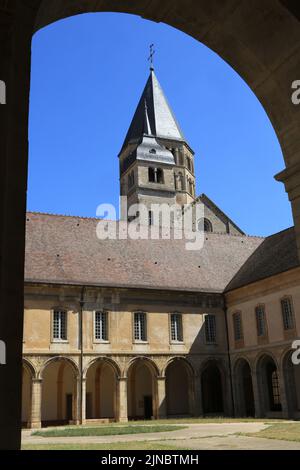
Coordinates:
[150,59]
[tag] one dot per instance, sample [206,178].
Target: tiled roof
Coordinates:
[66,250]
[276,254]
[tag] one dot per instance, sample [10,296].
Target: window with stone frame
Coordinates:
[176,327]
[140,326]
[101,326]
[287,313]
[237,326]
[210,328]
[260,315]
[59,327]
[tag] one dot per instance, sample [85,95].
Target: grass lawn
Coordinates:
[208,420]
[282,431]
[143,445]
[115,430]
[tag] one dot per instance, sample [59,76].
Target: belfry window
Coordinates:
[140,326]
[155,175]
[59,325]
[176,327]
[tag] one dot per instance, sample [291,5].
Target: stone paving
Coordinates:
[215,436]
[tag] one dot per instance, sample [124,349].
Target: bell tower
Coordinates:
[156,162]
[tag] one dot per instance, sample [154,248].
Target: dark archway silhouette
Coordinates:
[177,389]
[244,389]
[212,390]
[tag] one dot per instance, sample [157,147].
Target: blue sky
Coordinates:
[88,73]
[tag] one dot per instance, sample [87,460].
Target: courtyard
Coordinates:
[189,434]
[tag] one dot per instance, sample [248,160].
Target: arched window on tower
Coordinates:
[205,224]
[159,175]
[156,175]
[188,162]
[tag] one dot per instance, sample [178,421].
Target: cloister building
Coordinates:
[146,329]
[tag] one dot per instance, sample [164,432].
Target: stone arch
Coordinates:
[59,391]
[102,376]
[243,388]
[30,367]
[142,392]
[267,373]
[149,362]
[213,387]
[108,360]
[59,358]
[179,375]
[189,366]
[291,378]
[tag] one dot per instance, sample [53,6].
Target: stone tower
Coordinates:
[156,162]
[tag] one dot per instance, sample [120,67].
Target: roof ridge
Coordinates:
[98,219]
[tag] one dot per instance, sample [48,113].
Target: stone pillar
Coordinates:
[122,396]
[36,404]
[82,401]
[191,396]
[161,398]
[283,397]
[198,408]
[17,20]
[291,179]
[257,396]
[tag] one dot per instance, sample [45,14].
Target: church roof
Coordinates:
[276,254]
[66,250]
[161,119]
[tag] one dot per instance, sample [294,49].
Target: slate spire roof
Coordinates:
[153,112]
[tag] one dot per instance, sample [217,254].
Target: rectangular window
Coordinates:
[101,326]
[260,320]
[210,328]
[176,327]
[60,325]
[140,326]
[237,326]
[287,314]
